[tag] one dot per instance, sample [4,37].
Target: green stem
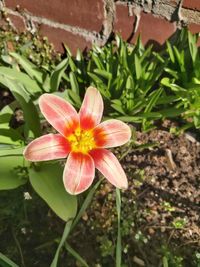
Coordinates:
[62,241]
[71,224]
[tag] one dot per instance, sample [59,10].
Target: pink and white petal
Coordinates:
[47,147]
[59,113]
[78,173]
[92,109]
[112,133]
[106,162]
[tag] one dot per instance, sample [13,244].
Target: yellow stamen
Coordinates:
[82,141]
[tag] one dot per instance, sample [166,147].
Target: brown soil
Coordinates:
[160,210]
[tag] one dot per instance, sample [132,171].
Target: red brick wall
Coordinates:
[79,23]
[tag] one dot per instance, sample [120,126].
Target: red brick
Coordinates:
[3,23]
[88,14]
[124,23]
[18,22]
[15,20]
[154,29]
[194,28]
[150,28]
[192,4]
[59,37]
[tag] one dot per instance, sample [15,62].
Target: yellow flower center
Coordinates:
[82,141]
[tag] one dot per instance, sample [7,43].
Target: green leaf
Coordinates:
[6,137]
[95,78]
[163,99]
[170,51]
[12,134]
[70,226]
[57,74]
[48,183]
[166,81]
[5,117]
[118,108]
[97,61]
[192,46]
[76,255]
[104,74]
[165,262]
[7,261]
[153,99]
[138,67]
[11,152]
[171,112]
[62,241]
[75,98]
[31,85]
[149,115]
[9,178]
[86,203]
[29,110]
[180,58]
[174,73]
[29,67]
[74,83]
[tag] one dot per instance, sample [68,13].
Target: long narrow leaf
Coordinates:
[7,261]
[11,152]
[29,110]
[75,255]
[85,204]
[57,74]
[30,84]
[62,241]
[29,67]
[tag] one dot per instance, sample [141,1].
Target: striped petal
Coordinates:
[109,166]
[47,147]
[79,173]
[112,133]
[92,109]
[59,113]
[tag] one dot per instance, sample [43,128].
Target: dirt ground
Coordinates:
[160,209]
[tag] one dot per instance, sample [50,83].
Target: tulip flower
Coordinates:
[83,139]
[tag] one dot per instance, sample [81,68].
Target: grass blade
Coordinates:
[86,203]
[62,241]
[6,260]
[76,255]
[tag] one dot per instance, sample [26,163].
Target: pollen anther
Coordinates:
[82,141]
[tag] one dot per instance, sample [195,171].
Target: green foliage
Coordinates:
[179,223]
[46,179]
[70,226]
[140,85]
[27,81]
[124,74]
[170,260]
[182,76]
[34,80]
[6,262]
[11,172]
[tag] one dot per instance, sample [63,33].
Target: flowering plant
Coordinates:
[83,139]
